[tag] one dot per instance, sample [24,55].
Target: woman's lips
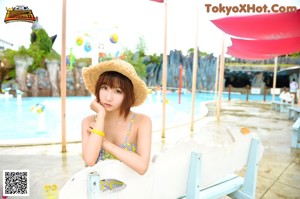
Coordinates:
[107,105]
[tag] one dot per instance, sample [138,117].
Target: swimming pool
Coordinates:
[19,124]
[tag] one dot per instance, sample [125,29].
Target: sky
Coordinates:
[96,20]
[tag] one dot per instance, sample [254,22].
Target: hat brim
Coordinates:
[92,73]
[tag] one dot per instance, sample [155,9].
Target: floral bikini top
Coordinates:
[103,155]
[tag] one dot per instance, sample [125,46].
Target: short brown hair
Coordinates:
[117,80]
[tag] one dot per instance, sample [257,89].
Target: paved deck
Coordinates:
[279,168]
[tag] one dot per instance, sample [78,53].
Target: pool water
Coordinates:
[20,122]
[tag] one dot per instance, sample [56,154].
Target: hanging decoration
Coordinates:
[79,41]
[87,46]
[114,38]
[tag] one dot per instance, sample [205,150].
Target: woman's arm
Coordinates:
[91,142]
[137,161]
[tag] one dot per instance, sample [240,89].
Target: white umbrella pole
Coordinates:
[164,75]
[63,77]
[195,66]
[217,76]
[274,78]
[221,80]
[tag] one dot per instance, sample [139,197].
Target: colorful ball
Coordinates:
[87,46]
[79,41]
[38,108]
[114,38]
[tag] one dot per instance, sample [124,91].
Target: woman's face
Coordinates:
[111,98]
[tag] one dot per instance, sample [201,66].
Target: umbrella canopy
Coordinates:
[268,47]
[244,54]
[280,34]
[262,26]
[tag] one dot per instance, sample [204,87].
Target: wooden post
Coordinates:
[247,92]
[164,77]
[63,77]
[265,93]
[221,82]
[274,78]
[229,92]
[195,66]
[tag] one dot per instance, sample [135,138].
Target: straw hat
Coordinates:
[92,73]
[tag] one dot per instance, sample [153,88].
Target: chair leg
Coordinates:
[249,187]
[193,186]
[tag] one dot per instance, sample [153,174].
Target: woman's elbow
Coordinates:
[143,170]
[89,162]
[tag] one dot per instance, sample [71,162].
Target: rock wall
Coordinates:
[46,82]
[206,71]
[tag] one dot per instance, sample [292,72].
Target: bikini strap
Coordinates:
[129,127]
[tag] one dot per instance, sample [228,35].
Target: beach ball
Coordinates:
[87,46]
[38,108]
[114,38]
[79,41]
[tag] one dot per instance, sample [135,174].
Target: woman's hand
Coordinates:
[97,107]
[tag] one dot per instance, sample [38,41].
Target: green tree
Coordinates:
[155,59]
[201,54]
[141,46]
[138,63]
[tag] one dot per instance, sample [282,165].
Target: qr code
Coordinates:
[15,182]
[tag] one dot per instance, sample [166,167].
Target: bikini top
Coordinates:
[103,155]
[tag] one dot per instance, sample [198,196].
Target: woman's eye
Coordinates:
[119,92]
[104,87]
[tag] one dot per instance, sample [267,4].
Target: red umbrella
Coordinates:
[158,1]
[262,26]
[263,47]
[237,52]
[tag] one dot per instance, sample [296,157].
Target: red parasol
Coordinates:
[270,47]
[262,26]
[236,52]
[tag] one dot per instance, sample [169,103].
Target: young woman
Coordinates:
[115,132]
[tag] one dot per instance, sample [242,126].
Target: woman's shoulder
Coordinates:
[143,123]
[142,118]
[88,119]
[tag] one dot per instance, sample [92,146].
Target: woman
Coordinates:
[115,132]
